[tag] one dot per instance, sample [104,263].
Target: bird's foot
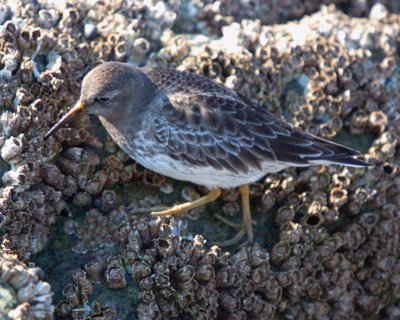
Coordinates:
[177,210]
[230,223]
[180,209]
[246,228]
[227,221]
[147,210]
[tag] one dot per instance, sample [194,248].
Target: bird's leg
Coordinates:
[184,207]
[247,223]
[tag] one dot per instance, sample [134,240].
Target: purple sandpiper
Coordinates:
[191,128]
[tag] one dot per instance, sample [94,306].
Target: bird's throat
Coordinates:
[116,132]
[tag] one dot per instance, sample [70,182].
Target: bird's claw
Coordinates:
[230,223]
[236,239]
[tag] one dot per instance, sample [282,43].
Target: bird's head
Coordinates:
[112,90]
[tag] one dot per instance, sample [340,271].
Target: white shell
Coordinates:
[8,121]
[16,178]
[12,148]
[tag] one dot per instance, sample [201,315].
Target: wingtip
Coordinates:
[361,162]
[353,162]
[348,161]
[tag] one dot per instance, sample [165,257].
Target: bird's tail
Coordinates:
[303,149]
[333,153]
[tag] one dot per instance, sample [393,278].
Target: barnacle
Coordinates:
[140,47]
[47,18]
[12,148]
[115,273]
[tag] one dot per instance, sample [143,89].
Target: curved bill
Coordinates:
[77,109]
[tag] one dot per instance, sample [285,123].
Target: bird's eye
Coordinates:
[103,99]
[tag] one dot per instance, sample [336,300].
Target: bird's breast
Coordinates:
[134,140]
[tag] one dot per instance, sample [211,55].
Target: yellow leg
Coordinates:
[247,223]
[184,207]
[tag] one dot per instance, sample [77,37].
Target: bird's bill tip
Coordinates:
[79,106]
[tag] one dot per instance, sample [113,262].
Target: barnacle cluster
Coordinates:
[35,80]
[247,288]
[176,278]
[132,31]
[330,248]
[22,294]
[74,303]
[187,279]
[213,15]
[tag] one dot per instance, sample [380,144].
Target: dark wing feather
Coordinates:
[206,124]
[211,130]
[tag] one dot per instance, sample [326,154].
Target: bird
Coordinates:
[191,128]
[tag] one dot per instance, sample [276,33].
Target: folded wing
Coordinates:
[207,124]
